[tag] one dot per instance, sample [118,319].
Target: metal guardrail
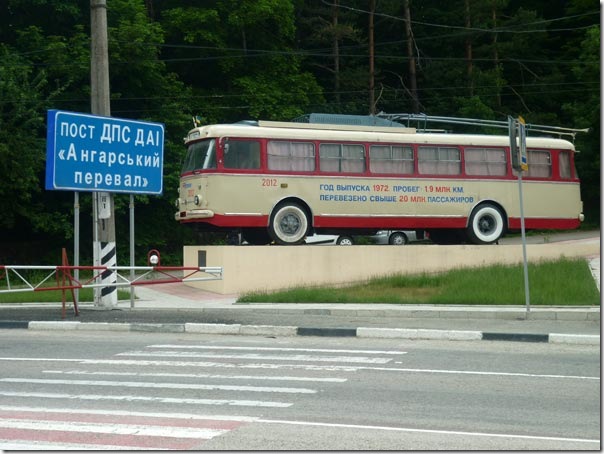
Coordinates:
[64,280]
[60,272]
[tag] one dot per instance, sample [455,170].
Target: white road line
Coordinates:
[486,373]
[166,400]
[279,349]
[142,384]
[217,376]
[428,431]
[138,363]
[116,429]
[254,356]
[290,422]
[315,367]
[31,445]
[91,411]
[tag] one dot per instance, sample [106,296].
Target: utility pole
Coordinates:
[410,55]
[104,244]
[371,58]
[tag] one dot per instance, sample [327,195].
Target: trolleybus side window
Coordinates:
[564,164]
[439,160]
[539,164]
[200,155]
[486,161]
[342,158]
[291,156]
[391,159]
[241,154]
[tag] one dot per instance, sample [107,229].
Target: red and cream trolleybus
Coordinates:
[279,182]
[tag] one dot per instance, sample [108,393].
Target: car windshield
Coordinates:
[200,155]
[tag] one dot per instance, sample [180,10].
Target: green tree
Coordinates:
[584,110]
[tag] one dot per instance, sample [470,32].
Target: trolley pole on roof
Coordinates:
[104,243]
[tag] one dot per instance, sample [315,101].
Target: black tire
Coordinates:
[289,224]
[398,239]
[345,241]
[486,225]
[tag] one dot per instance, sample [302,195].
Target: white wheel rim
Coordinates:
[487,225]
[290,224]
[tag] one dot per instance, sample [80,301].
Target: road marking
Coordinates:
[89,429]
[142,384]
[176,375]
[32,445]
[104,428]
[470,372]
[280,349]
[166,400]
[251,419]
[125,362]
[138,363]
[126,413]
[429,431]
[253,356]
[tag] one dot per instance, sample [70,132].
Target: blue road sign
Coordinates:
[93,153]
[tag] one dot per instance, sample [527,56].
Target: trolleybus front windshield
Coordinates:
[200,155]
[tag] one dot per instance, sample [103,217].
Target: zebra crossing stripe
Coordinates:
[299,357]
[89,429]
[118,429]
[191,375]
[166,400]
[142,384]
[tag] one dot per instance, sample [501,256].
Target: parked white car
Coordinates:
[340,240]
[395,237]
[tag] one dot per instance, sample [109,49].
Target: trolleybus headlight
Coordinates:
[197,200]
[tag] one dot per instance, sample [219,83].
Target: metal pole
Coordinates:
[527,296]
[76,241]
[132,274]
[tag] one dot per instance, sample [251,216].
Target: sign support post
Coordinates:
[132,274]
[517,131]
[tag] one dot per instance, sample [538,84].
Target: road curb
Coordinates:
[288,331]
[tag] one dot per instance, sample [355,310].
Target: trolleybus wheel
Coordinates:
[486,224]
[289,224]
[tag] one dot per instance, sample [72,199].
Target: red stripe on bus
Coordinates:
[408,222]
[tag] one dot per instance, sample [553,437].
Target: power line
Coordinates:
[487,30]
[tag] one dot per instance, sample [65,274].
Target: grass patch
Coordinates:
[53,296]
[563,282]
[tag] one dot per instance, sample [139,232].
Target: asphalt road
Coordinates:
[152,390]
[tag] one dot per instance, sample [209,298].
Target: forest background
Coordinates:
[229,60]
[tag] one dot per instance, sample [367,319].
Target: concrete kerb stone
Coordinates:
[158,327]
[268,330]
[212,328]
[424,334]
[578,339]
[288,331]
[103,326]
[53,326]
